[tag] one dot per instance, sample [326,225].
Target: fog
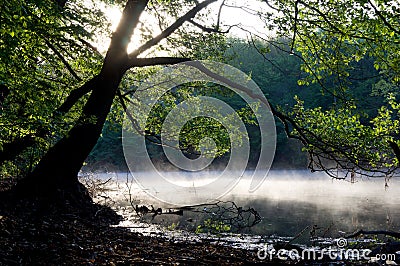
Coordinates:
[288,201]
[295,185]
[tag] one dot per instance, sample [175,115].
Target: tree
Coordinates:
[59,166]
[331,38]
[43,55]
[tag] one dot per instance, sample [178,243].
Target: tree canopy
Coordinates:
[334,39]
[49,62]
[57,89]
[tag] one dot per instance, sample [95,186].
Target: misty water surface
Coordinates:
[290,201]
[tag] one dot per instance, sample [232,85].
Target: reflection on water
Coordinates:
[290,201]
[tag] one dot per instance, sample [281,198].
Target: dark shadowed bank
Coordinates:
[35,232]
[61,232]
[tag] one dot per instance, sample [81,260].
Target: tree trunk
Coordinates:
[58,170]
[56,174]
[61,164]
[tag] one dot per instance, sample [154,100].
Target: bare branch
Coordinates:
[313,73]
[211,30]
[145,133]
[332,24]
[91,47]
[263,55]
[168,31]
[219,14]
[141,62]
[296,13]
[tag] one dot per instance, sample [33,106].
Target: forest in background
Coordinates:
[330,75]
[277,73]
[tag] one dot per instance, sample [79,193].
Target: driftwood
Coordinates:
[227,212]
[143,210]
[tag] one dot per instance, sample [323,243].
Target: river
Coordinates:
[291,204]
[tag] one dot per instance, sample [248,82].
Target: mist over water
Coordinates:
[289,201]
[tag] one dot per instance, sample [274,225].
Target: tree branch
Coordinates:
[93,48]
[75,95]
[296,13]
[141,62]
[275,45]
[168,31]
[126,26]
[219,14]
[65,62]
[263,55]
[117,56]
[384,20]
[210,30]
[332,25]
[325,149]
[145,133]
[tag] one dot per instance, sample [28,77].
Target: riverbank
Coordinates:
[47,233]
[34,234]
[70,240]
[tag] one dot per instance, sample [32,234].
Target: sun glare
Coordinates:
[242,15]
[113,15]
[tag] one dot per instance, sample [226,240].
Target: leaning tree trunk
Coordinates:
[57,171]
[59,167]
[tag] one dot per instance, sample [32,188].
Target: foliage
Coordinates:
[347,51]
[47,52]
[44,54]
[213,227]
[278,81]
[338,135]
[334,41]
[332,35]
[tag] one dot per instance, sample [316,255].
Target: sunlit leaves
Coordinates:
[339,134]
[336,40]
[38,39]
[191,128]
